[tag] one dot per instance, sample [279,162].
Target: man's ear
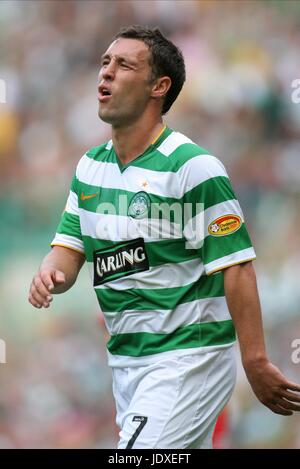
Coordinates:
[161,87]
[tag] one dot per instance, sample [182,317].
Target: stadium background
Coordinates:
[241,59]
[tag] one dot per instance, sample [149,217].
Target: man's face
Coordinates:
[124,82]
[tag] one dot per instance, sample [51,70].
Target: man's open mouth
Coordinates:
[104,93]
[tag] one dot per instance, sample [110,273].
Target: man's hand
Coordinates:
[43,284]
[58,272]
[267,382]
[272,388]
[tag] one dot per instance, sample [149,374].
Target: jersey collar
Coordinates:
[165,132]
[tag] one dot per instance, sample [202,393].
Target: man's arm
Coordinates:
[57,273]
[267,382]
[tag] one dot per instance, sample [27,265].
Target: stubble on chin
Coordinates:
[104,116]
[113,119]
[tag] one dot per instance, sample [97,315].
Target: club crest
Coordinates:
[139,205]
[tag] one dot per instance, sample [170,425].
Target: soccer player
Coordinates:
[156,219]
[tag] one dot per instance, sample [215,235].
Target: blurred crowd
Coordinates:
[241,59]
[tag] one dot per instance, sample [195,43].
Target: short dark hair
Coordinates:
[165,58]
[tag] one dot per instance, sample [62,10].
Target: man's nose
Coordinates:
[108,72]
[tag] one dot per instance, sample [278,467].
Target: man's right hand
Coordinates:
[42,285]
[57,274]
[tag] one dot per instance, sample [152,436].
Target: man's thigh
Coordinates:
[175,403]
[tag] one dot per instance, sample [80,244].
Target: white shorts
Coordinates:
[175,402]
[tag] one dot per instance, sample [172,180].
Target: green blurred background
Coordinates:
[241,59]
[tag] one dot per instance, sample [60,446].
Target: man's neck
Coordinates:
[131,141]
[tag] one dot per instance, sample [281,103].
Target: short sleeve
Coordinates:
[68,232]
[214,224]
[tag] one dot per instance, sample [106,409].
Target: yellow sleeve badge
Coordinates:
[224,225]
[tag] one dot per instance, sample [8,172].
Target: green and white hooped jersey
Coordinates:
[153,232]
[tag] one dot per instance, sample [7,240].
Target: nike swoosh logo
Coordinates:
[86,197]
